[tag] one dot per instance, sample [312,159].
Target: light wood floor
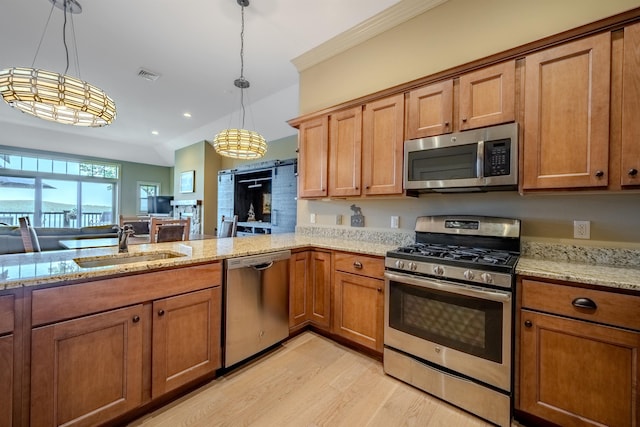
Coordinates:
[309,381]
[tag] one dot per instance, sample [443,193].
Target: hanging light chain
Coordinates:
[243,83]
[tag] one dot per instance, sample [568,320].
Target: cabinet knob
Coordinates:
[584,303]
[446,124]
[633,172]
[464,120]
[357,264]
[297,150]
[528,323]
[135,319]
[366,187]
[380,290]
[599,174]
[161,312]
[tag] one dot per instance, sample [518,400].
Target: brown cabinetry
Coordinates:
[101,349]
[630,149]
[485,97]
[186,339]
[359,299]
[566,115]
[7,370]
[345,152]
[310,289]
[313,149]
[579,355]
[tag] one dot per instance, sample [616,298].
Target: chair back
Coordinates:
[169,230]
[140,224]
[228,227]
[29,236]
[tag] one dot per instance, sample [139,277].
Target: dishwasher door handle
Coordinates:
[260,267]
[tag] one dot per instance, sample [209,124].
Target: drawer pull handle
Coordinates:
[528,323]
[357,264]
[136,319]
[161,312]
[584,303]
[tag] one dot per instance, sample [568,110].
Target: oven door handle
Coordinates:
[449,287]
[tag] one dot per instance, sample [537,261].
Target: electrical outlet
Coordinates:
[338,219]
[312,218]
[395,221]
[581,229]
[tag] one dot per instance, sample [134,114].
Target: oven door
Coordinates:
[466,329]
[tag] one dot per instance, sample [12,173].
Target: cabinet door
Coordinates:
[566,115]
[186,339]
[630,156]
[359,309]
[382,146]
[6,380]
[299,298]
[87,370]
[487,96]
[430,110]
[284,205]
[579,373]
[320,289]
[345,152]
[313,146]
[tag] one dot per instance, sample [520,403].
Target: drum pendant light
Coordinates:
[57,97]
[240,143]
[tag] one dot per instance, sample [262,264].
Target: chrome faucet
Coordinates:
[123,235]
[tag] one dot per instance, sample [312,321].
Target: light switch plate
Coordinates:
[312,218]
[395,221]
[581,229]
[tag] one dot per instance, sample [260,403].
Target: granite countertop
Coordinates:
[19,270]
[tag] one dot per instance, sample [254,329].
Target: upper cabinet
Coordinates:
[359,149]
[382,146]
[566,115]
[430,110]
[630,149]
[485,97]
[313,147]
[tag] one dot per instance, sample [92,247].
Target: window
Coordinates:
[56,192]
[145,190]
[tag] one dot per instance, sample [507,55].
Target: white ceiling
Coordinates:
[194,45]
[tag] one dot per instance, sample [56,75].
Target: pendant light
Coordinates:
[240,143]
[57,97]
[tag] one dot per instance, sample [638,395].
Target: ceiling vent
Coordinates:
[148,75]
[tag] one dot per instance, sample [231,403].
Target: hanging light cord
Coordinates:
[242,80]
[42,36]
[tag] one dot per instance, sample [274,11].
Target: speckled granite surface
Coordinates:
[602,266]
[56,266]
[387,237]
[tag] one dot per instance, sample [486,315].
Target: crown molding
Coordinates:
[383,21]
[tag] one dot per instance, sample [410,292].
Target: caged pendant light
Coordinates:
[57,97]
[240,143]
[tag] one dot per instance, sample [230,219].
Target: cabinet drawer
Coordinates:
[610,308]
[6,314]
[359,264]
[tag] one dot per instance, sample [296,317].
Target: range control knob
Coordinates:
[399,264]
[486,278]
[438,270]
[413,266]
[468,274]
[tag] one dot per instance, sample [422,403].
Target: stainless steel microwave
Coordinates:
[475,160]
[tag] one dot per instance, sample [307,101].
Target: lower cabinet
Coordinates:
[6,380]
[358,309]
[87,370]
[310,289]
[186,339]
[579,355]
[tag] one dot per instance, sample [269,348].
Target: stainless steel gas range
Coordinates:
[449,312]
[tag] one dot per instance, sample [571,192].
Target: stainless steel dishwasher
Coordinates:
[256,304]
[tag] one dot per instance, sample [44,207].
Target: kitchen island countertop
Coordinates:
[32,269]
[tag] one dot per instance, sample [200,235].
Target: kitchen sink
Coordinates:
[108,260]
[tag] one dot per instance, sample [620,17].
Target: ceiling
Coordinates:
[195,48]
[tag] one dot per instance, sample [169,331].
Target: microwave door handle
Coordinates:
[446,287]
[480,160]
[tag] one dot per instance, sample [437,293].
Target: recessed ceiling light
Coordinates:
[154,132]
[187,115]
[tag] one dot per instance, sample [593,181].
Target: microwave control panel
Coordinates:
[497,157]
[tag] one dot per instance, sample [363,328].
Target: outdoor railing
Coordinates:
[59,219]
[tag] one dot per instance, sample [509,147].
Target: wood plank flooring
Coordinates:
[309,381]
